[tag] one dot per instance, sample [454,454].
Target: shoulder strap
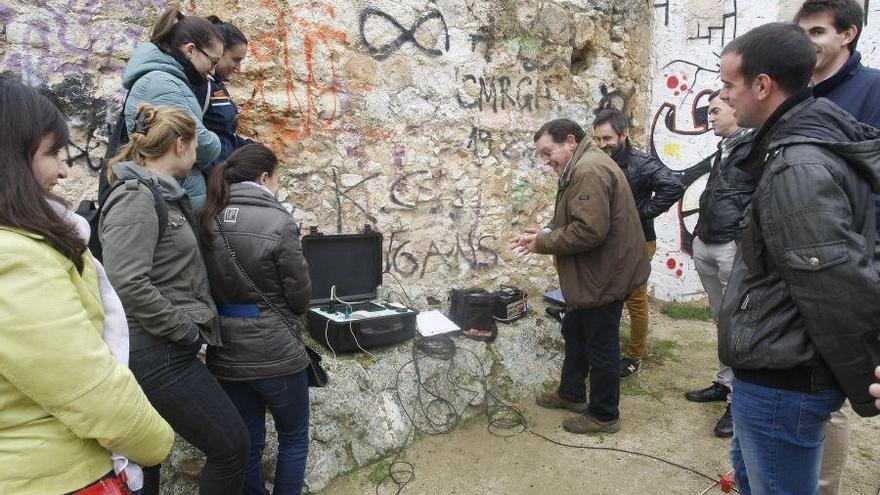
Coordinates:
[266,300]
[208,96]
[158,201]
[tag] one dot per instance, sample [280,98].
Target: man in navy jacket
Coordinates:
[834,27]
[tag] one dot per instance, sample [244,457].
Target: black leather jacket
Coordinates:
[655,188]
[728,192]
[802,306]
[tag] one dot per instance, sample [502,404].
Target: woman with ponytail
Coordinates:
[66,394]
[155,263]
[221,113]
[165,71]
[262,363]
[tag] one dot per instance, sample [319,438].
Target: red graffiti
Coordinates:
[671,82]
[678,273]
[671,263]
[301,106]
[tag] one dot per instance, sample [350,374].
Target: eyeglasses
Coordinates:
[214,60]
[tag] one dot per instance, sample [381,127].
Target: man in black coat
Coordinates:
[728,192]
[655,189]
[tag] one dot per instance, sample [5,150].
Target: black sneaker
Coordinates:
[724,427]
[629,366]
[556,312]
[713,393]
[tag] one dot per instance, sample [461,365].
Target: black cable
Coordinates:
[504,420]
[409,301]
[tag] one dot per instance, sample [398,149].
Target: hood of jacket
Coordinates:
[148,58]
[822,123]
[170,187]
[251,193]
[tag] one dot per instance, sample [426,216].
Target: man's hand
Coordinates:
[874,389]
[525,242]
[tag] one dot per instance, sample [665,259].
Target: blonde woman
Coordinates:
[163,285]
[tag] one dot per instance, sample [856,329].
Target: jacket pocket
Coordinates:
[817,256]
[746,321]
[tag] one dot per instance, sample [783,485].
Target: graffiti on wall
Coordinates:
[381,51]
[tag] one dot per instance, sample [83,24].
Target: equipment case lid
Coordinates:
[351,262]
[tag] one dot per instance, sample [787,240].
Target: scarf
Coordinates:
[114,331]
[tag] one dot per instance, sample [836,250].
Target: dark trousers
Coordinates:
[592,348]
[188,396]
[287,398]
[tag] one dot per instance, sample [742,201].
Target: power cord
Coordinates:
[504,420]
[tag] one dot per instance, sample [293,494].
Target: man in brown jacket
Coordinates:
[597,239]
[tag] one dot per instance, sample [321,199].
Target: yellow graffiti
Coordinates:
[672,150]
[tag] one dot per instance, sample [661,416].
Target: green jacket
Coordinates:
[154,77]
[65,400]
[163,285]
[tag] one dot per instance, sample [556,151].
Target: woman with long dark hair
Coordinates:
[221,113]
[153,259]
[65,399]
[263,361]
[165,71]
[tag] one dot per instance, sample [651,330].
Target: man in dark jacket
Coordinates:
[655,189]
[728,191]
[834,27]
[600,257]
[798,323]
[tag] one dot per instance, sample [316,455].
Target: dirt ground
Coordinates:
[656,420]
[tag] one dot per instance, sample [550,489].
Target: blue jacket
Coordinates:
[155,77]
[856,89]
[222,119]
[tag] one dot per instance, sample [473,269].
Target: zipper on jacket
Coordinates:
[745,303]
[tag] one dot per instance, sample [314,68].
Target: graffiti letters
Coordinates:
[470,250]
[383,51]
[523,95]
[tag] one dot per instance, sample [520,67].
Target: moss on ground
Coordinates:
[686,311]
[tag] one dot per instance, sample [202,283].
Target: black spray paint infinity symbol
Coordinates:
[406,35]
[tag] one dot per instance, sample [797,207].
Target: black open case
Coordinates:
[353,264]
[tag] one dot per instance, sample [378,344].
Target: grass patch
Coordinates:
[660,350]
[685,311]
[379,470]
[550,385]
[633,387]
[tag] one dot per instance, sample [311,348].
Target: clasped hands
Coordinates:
[525,242]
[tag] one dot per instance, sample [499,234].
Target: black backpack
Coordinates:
[91,211]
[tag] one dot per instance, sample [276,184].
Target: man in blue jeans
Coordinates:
[798,321]
[597,240]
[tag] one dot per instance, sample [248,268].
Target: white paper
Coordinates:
[434,323]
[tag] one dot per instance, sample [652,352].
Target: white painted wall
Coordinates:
[688,38]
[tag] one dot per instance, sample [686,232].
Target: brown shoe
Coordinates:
[588,425]
[552,400]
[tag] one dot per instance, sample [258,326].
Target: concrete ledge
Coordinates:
[362,417]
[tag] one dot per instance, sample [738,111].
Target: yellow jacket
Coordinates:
[65,401]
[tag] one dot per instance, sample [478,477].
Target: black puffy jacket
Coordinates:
[655,188]
[728,192]
[802,305]
[266,241]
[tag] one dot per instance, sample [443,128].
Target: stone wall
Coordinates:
[414,116]
[688,39]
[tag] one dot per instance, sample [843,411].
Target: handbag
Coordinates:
[317,375]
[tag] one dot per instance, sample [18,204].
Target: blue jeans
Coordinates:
[288,400]
[592,348]
[188,396]
[777,438]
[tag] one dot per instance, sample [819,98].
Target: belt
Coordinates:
[108,485]
[239,310]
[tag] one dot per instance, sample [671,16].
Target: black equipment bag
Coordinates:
[353,264]
[473,308]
